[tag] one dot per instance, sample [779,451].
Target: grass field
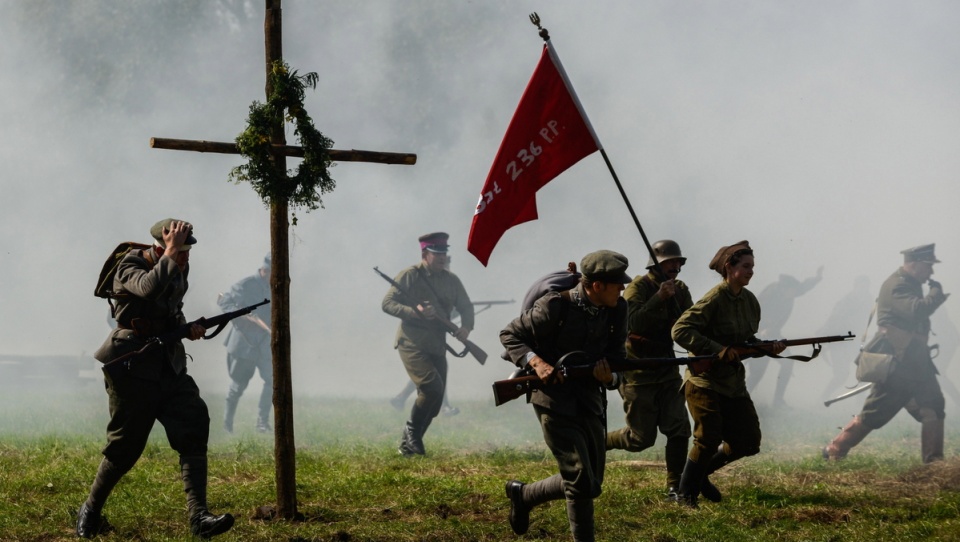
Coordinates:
[352,485]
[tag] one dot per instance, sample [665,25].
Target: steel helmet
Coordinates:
[666,250]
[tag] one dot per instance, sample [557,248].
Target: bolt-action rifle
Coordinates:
[576,365]
[451,328]
[115,367]
[484,305]
[523,381]
[761,349]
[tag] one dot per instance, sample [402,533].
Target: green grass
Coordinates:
[352,485]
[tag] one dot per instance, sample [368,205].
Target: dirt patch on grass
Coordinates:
[944,475]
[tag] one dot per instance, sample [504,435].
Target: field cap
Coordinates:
[157,232]
[725,253]
[605,266]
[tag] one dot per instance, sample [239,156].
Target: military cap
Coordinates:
[605,266]
[434,242]
[723,255]
[157,232]
[922,253]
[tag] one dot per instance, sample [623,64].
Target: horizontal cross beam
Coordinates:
[352,155]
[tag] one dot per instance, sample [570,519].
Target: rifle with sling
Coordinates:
[451,328]
[522,383]
[763,348]
[484,305]
[575,365]
[114,367]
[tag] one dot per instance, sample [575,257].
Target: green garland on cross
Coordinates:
[285,103]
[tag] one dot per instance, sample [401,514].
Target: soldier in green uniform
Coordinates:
[156,387]
[726,425]
[590,318]
[652,398]
[422,342]
[903,328]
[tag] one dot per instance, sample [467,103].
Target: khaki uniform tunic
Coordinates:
[903,318]
[652,319]
[428,337]
[719,319]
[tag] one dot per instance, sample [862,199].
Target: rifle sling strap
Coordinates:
[763,352]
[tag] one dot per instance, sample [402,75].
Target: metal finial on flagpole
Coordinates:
[544,33]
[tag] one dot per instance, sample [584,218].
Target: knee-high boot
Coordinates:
[691,482]
[193,471]
[675,455]
[719,459]
[229,411]
[90,520]
[850,436]
[523,497]
[580,516]
[931,437]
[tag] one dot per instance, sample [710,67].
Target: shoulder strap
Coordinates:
[866,329]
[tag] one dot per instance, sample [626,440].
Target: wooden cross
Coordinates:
[284,449]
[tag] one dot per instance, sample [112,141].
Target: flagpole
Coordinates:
[545,34]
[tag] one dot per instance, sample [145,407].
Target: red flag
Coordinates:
[549,133]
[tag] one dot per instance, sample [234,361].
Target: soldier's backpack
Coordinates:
[558,281]
[104,288]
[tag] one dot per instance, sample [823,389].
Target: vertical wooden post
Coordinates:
[284,447]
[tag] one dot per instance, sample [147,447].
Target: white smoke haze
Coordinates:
[823,132]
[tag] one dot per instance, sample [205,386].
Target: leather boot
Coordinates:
[524,497]
[228,413]
[850,436]
[580,516]
[263,425]
[519,516]
[931,437]
[675,455]
[691,482]
[90,521]
[193,470]
[719,459]
[265,406]
[411,443]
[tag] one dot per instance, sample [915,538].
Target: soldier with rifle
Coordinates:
[726,425]
[248,346]
[572,412]
[154,385]
[422,297]
[398,400]
[651,397]
[903,329]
